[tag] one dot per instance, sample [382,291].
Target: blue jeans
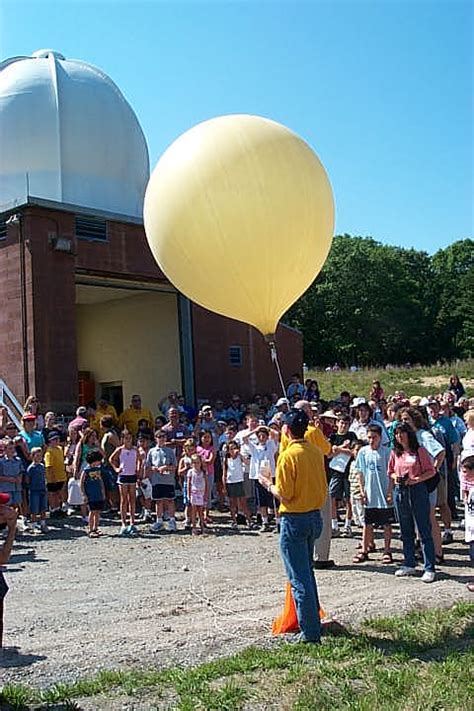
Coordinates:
[412,504]
[298,533]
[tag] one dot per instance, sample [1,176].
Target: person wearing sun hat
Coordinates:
[8,518]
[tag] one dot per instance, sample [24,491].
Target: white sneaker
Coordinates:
[156,527]
[405,571]
[428,576]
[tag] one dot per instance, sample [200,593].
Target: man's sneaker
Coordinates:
[171,527]
[132,531]
[43,527]
[447,537]
[347,531]
[428,576]
[265,527]
[156,527]
[70,511]
[234,525]
[123,531]
[405,571]
[335,532]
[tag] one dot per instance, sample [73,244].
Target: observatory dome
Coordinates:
[67,134]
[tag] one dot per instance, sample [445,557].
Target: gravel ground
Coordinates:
[77,605]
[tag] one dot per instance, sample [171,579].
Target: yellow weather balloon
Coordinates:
[239,215]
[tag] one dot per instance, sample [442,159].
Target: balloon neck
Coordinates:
[270,339]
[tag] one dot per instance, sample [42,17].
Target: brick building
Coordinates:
[85,308]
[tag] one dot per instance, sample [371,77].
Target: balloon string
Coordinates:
[274,355]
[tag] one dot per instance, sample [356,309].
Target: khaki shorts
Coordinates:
[442,491]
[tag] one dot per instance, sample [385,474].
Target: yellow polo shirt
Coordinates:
[109,410]
[314,435]
[130,418]
[301,478]
[54,463]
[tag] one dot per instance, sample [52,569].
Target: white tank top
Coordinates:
[128,462]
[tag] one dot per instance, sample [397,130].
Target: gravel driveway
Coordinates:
[78,605]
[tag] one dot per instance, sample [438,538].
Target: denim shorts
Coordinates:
[38,502]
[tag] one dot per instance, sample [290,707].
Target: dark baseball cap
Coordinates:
[296,418]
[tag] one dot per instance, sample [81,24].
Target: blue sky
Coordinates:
[382,89]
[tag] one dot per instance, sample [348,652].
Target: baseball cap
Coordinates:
[53,435]
[358,401]
[29,418]
[296,418]
[331,414]
[281,401]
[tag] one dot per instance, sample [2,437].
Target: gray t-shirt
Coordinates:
[158,457]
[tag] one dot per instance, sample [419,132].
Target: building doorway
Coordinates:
[114,394]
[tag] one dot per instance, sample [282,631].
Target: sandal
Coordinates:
[360,557]
[387,558]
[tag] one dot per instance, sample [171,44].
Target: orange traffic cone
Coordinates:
[288,620]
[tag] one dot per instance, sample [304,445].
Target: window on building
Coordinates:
[235,355]
[3,228]
[91,228]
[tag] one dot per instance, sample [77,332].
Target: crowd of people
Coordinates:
[388,459]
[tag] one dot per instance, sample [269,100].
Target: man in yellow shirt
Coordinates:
[301,487]
[103,408]
[315,435]
[130,417]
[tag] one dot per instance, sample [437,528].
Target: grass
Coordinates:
[422,660]
[413,381]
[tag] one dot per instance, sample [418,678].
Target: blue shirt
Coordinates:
[37,476]
[14,468]
[159,457]
[93,486]
[444,425]
[372,464]
[32,439]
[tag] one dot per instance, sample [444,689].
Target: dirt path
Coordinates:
[77,606]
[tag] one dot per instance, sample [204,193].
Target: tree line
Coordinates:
[374,304]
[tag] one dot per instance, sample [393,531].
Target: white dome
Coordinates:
[67,134]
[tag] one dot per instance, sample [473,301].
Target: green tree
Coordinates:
[454,324]
[371,304]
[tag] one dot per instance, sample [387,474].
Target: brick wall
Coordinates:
[213,337]
[50,287]
[11,338]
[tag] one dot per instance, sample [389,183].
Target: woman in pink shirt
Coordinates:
[409,467]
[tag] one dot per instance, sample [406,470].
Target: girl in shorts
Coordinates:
[184,465]
[207,452]
[234,483]
[125,462]
[196,484]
